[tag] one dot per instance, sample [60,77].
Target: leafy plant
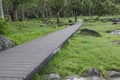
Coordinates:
[3,26]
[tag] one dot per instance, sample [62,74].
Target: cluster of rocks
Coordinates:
[111,19]
[90,32]
[5,43]
[114,20]
[90,74]
[116,32]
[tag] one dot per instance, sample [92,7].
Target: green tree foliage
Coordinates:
[11,8]
[56,8]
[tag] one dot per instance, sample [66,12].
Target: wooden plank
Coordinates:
[18,65]
[16,69]
[15,74]
[2,78]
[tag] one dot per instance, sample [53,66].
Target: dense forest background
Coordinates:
[28,9]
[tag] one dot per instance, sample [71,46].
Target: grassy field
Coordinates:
[81,53]
[86,51]
[21,32]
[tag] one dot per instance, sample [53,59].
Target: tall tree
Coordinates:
[15,8]
[1,9]
[14,13]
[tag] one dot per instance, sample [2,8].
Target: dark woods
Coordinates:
[41,9]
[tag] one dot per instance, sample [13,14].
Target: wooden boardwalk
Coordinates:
[21,62]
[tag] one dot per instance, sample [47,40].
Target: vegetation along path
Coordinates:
[21,62]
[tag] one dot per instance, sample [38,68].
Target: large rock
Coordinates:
[5,43]
[90,32]
[92,72]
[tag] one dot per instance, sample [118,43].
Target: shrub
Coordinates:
[3,26]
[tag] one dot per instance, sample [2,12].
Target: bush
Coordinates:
[3,26]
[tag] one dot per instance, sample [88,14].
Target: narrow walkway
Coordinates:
[21,62]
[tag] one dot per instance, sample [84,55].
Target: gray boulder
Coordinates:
[5,43]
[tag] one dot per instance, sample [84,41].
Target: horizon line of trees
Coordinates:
[42,9]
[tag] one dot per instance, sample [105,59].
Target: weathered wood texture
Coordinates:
[20,62]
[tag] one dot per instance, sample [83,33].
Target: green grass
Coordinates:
[105,16]
[86,51]
[115,16]
[21,32]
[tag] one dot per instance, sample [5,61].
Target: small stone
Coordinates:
[95,78]
[118,78]
[113,74]
[72,77]
[92,72]
[75,77]
[81,78]
[53,76]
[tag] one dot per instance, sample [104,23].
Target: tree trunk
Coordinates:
[1,9]
[89,12]
[43,9]
[58,18]
[14,11]
[22,12]
[75,14]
